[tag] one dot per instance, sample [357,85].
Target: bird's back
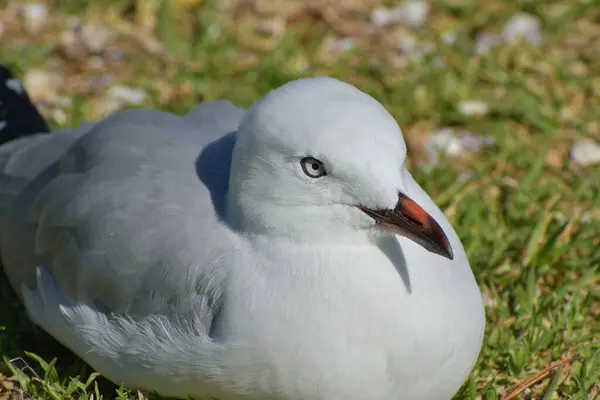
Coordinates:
[125,212]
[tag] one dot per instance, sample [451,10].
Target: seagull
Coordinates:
[282,252]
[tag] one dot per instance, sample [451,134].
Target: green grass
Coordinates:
[531,226]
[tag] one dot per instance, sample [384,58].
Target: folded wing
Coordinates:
[124,212]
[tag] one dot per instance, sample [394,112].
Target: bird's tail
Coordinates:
[18,116]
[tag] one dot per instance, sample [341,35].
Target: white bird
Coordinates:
[280,253]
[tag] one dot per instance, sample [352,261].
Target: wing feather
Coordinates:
[118,210]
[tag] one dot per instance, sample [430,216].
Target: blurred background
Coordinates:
[499,102]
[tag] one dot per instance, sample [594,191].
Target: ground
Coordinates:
[499,102]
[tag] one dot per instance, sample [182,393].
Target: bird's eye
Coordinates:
[313,167]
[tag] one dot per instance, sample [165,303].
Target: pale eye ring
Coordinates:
[312,167]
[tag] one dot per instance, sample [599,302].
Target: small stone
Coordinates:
[59,116]
[381,17]
[455,143]
[523,26]
[108,107]
[399,61]
[473,108]
[115,99]
[586,152]
[127,95]
[474,143]
[95,37]
[407,45]
[72,46]
[484,42]
[65,102]
[338,46]
[412,49]
[414,13]
[273,27]
[35,16]
[510,182]
[411,13]
[100,82]
[42,86]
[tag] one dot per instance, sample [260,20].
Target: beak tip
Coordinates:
[440,243]
[448,253]
[408,219]
[436,242]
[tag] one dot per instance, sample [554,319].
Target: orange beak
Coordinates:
[410,220]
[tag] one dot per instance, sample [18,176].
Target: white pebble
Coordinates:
[274,27]
[523,26]
[400,62]
[35,16]
[411,13]
[95,37]
[65,102]
[407,45]
[100,82]
[72,46]
[484,42]
[413,49]
[59,116]
[474,143]
[415,13]
[42,86]
[338,46]
[586,152]
[381,17]
[454,144]
[472,108]
[127,95]
[110,106]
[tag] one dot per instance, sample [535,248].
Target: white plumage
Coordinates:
[194,257]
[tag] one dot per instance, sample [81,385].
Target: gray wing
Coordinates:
[124,212]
